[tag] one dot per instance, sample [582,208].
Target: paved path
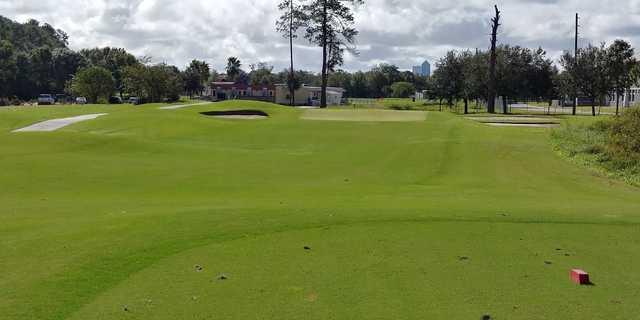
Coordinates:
[55,124]
[179,106]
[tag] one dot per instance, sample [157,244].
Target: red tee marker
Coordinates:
[580,276]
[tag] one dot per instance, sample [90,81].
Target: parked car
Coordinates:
[81,100]
[135,101]
[61,98]
[115,100]
[46,99]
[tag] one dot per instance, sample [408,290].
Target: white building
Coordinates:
[630,98]
[308,95]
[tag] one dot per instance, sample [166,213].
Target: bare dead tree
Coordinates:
[495,23]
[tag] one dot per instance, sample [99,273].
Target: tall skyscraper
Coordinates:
[426,69]
[423,70]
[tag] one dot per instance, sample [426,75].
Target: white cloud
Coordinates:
[402,32]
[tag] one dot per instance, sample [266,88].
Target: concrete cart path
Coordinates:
[55,124]
[179,106]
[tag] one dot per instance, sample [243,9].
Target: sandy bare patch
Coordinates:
[180,106]
[55,124]
[363,115]
[530,125]
[243,114]
[241,117]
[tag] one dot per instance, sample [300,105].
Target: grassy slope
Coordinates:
[118,210]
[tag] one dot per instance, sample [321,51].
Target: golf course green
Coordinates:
[146,213]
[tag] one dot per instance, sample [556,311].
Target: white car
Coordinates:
[46,99]
[81,100]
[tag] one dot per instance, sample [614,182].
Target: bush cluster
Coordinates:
[623,146]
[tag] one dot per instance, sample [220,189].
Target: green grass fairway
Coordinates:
[367,115]
[139,213]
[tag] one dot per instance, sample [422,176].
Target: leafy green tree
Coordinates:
[25,37]
[590,73]
[192,81]
[66,63]
[41,70]
[541,76]
[262,74]
[474,75]
[564,85]
[330,25]
[358,86]
[112,59]
[620,65]
[156,83]
[449,77]
[341,79]
[8,68]
[512,71]
[196,76]
[94,83]
[134,81]
[402,89]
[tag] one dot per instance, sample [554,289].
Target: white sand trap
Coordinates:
[530,125]
[55,124]
[180,106]
[364,115]
[241,117]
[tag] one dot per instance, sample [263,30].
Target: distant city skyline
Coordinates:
[391,31]
[423,70]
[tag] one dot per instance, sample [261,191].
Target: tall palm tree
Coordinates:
[233,67]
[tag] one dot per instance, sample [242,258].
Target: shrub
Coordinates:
[94,83]
[624,139]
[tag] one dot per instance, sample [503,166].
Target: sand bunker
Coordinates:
[237,114]
[55,124]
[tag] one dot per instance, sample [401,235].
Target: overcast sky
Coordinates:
[402,32]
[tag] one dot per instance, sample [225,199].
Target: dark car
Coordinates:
[135,101]
[115,100]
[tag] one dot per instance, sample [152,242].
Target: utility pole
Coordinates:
[575,60]
[292,91]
